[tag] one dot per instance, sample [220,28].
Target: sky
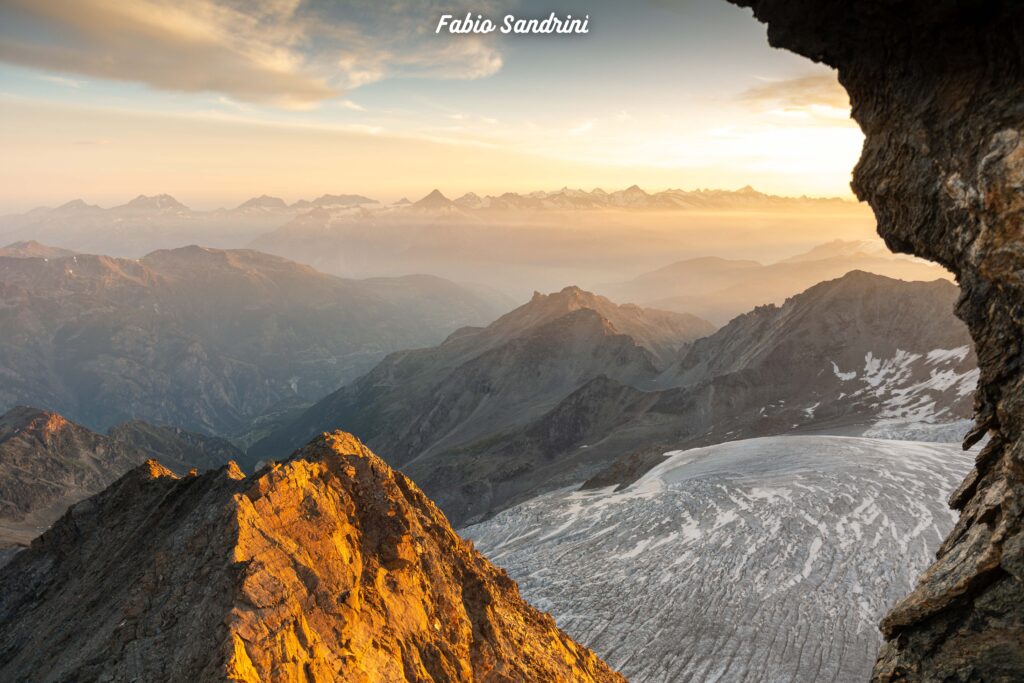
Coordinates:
[215,101]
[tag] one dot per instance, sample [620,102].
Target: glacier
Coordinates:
[768,559]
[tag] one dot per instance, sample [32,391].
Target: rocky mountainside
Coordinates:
[861,355]
[719,289]
[936,90]
[875,334]
[33,249]
[47,463]
[330,566]
[762,560]
[176,448]
[417,405]
[203,338]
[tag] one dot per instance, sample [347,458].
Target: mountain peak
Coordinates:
[159,202]
[305,565]
[29,420]
[342,200]
[434,200]
[263,202]
[76,205]
[566,300]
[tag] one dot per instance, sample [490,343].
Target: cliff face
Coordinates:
[330,566]
[936,87]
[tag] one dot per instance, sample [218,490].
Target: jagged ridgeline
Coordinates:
[330,566]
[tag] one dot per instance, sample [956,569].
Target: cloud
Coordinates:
[583,127]
[821,90]
[63,80]
[291,53]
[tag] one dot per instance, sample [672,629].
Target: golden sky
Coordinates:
[215,101]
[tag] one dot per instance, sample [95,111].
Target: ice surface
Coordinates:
[759,560]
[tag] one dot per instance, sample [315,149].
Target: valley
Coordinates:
[790,450]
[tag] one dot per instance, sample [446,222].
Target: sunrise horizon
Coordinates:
[214,103]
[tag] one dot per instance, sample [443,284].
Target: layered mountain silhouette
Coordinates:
[327,567]
[633,197]
[47,463]
[719,289]
[548,396]
[151,222]
[859,355]
[416,405]
[205,339]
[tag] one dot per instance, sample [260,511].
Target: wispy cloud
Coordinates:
[63,80]
[798,93]
[291,53]
[815,99]
[583,127]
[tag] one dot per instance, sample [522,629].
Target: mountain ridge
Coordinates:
[204,338]
[48,462]
[366,582]
[861,355]
[420,404]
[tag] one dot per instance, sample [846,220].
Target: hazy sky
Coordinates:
[218,100]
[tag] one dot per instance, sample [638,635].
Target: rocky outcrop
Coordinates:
[936,87]
[48,463]
[330,566]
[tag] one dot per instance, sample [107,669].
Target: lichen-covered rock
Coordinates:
[328,567]
[938,88]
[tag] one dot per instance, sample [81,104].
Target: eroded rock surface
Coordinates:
[328,567]
[937,89]
[48,463]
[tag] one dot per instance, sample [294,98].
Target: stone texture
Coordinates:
[328,567]
[48,463]
[936,87]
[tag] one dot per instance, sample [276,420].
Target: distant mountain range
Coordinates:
[631,198]
[151,222]
[570,384]
[48,463]
[206,339]
[719,289]
[566,198]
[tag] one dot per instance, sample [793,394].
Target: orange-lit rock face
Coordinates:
[330,566]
